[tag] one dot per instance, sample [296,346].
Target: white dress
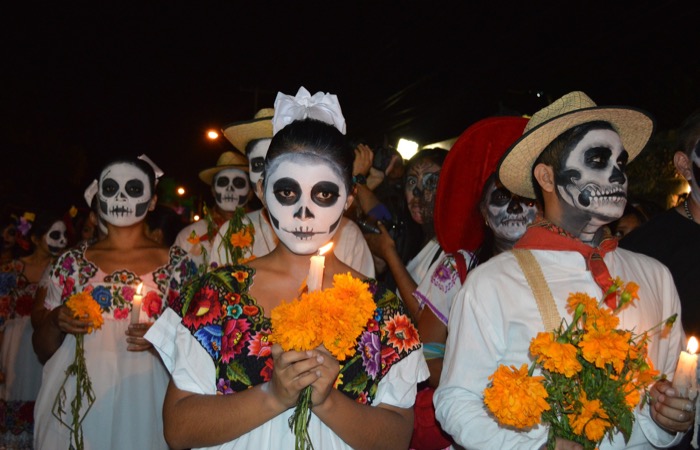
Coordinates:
[129,386]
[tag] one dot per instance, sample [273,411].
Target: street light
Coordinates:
[180,191]
[212,135]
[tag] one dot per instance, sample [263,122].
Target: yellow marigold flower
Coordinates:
[515,398]
[590,305]
[601,348]
[554,356]
[242,238]
[83,304]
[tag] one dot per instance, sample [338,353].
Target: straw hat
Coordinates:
[227,160]
[471,160]
[241,133]
[515,171]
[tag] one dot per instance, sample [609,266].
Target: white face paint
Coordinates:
[124,194]
[231,189]
[256,159]
[508,215]
[305,198]
[592,178]
[56,237]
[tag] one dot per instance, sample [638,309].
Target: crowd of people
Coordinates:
[124,327]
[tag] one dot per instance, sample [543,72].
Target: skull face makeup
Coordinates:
[231,189]
[305,197]
[420,188]
[124,194]
[508,215]
[592,177]
[256,159]
[56,237]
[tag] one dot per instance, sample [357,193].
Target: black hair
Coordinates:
[689,134]
[167,220]
[315,138]
[435,155]
[553,153]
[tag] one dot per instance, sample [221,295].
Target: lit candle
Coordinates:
[685,379]
[136,305]
[314,281]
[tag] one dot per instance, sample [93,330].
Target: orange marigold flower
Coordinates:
[555,356]
[630,293]
[601,348]
[603,320]
[515,398]
[193,238]
[83,304]
[591,421]
[590,305]
[242,238]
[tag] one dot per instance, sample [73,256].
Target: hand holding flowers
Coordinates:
[593,375]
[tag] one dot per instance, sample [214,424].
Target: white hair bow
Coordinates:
[90,192]
[156,170]
[321,106]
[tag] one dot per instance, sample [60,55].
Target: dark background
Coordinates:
[83,81]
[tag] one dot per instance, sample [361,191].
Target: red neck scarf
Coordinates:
[544,235]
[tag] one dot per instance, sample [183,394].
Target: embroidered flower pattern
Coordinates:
[228,323]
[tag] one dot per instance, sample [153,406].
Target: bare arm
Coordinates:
[431,329]
[52,329]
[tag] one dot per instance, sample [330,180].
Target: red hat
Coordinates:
[469,163]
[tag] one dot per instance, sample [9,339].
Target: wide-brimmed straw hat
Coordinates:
[227,160]
[515,170]
[472,159]
[241,133]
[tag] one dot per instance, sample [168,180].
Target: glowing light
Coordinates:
[407,148]
[211,134]
[196,217]
[692,345]
[325,248]
[180,191]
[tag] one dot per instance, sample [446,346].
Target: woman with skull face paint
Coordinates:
[307,186]
[128,378]
[19,366]
[422,174]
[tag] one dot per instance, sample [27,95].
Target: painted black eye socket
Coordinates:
[597,157]
[430,180]
[257,164]
[222,181]
[287,191]
[239,183]
[500,197]
[623,159]
[55,235]
[109,187]
[325,193]
[134,188]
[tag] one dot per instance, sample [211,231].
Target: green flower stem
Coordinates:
[299,422]
[83,391]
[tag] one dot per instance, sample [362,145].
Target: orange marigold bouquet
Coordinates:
[81,304]
[593,375]
[334,317]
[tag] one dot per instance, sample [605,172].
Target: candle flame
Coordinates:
[138,289]
[325,248]
[692,345]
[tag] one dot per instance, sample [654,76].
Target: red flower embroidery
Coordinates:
[235,335]
[152,303]
[24,305]
[402,334]
[259,344]
[204,308]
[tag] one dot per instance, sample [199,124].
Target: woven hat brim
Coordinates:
[239,134]
[515,169]
[207,175]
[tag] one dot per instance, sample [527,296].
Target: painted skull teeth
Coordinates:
[303,233]
[612,194]
[120,211]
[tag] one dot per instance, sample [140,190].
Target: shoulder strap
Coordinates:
[535,279]
[461,262]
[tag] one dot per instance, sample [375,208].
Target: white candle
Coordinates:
[314,281]
[136,305]
[685,379]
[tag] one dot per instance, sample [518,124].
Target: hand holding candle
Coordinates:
[136,305]
[685,379]
[314,281]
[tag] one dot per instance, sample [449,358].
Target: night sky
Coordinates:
[84,82]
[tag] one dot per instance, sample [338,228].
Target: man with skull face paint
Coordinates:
[572,154]
[253,138]
[128,378]
[19,366]
[209,240]
[307,186]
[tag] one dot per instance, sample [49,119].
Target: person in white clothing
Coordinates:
[572,156]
